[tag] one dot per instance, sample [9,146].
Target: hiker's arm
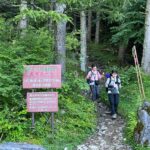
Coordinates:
[107,82]
[88,75]
[119,83]
[100,76]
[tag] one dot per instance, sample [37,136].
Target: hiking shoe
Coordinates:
[114,116]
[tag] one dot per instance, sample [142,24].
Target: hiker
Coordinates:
[93,78]
[113,84]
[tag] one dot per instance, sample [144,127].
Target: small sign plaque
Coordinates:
[42,102]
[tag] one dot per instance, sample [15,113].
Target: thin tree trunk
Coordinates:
[74,22]
[121,54]
[146,45]
[23,21]
[50,21]
[32,3]
[83,41]
[61,39]
[97,27]
[89,24]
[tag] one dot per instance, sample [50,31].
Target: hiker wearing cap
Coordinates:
[93,78]
[113,84]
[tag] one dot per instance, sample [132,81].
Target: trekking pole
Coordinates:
[138,72]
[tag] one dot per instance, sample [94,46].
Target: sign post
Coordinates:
[33,120]
[33,125]
[42,76]
[52,121]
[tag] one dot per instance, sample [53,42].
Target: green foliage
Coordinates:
[72,43]
[132,25]
[102,55]
[72,46]
[42,15]
[76,118]
[34,48]
[13,123]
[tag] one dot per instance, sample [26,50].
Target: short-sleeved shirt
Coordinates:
[93,76]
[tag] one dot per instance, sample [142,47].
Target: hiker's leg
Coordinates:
[97,91]
[116,102]
[90,91]
[93,92]
[111,100]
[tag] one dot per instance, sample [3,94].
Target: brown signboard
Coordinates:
[42,76]
[42,102]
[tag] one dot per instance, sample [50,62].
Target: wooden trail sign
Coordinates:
[42,76]
[42,102]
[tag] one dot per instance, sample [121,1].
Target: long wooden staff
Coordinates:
[138,72]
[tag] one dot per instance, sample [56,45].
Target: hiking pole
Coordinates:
[138,72]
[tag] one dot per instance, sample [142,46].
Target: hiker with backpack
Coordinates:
[93,78]
[113,84]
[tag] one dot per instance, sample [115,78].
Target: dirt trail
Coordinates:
[109,135]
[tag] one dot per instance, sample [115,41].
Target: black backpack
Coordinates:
[109,86]
[89,80]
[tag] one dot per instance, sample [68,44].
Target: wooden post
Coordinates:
[52,121]
[33,116]
[33,120]
[138,71]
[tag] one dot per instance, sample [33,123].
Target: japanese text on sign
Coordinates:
[42,102]
[42,76]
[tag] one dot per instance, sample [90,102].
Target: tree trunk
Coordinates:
[74,22]
[121,54]
[89,24]
[50,21]
[83,39]
[23,21]
[146,45]
[61,39]
[97,27]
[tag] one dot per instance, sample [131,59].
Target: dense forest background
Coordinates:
[73,33]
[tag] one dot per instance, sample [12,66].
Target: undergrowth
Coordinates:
[76,118]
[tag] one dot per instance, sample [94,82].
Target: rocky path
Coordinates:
[109,135]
